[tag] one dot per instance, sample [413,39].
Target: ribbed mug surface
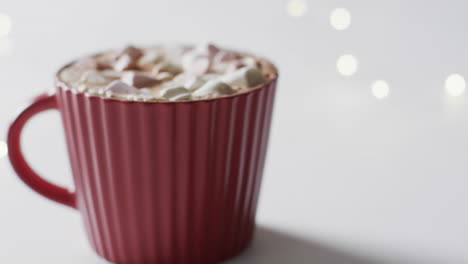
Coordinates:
[168,182]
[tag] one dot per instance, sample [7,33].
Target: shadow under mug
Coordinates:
[159,182]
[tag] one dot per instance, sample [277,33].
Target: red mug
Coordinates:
[159,182]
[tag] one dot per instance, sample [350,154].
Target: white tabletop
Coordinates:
[350,178]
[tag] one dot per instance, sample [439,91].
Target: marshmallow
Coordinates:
[176,94]
[172,73]
[119,87]
[70,75]
[146,97]
[139,97]
[94,90]
[193,83]
[138,80]
[174,53]
[224,56]
[254,76]
[149,58]
[110,74]
[124,62]
[166,66]
[206,49]
[93,77]
[146,91]
[232,66]
[247,76]
[181,78]
[267,69]
[194,63]
[164,76]
[249,61]
[225,61]
[131,51]
[127,59]
[144,94]
[214,88]
[198,61]
[106,61]
[211,76]
[87,63]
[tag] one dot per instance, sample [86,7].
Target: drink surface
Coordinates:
[167,73]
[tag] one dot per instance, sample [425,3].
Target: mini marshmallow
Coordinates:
[197,64]
[268,69]
[226,61]
[164,76]
[174,53]
[70,74]
[171,73]
[181,78]
[232,66]
[87,63]
[106,61]
[166,66]
[130,97]
[94,90]
[224,56]
[193,83]
[125,97]
[220,67]
[211,76]
[176,94]
[138,80]
[146,97]
[93,77]
[119,87]
[247,76]
[214,88]
[206,49]
[145,91]
[149,58]
[110,74]
[124,62]
[249,61]
[133,52]
[140,97]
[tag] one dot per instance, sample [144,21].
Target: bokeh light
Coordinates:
[296,8]
[5,25]
[347,65]
[380,89]
[340,18]
[455,84]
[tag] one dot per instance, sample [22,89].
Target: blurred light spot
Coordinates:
[3,149]
[5,25]
[380,89]
[5,46]
[297,8]
[340,18]
[347,65]
[455,84]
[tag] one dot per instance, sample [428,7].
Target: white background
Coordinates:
[349,179]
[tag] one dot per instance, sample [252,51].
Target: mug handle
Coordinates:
[32,179]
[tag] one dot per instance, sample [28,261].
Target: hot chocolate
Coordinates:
[176,73]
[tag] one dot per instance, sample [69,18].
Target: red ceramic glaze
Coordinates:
[159,182]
